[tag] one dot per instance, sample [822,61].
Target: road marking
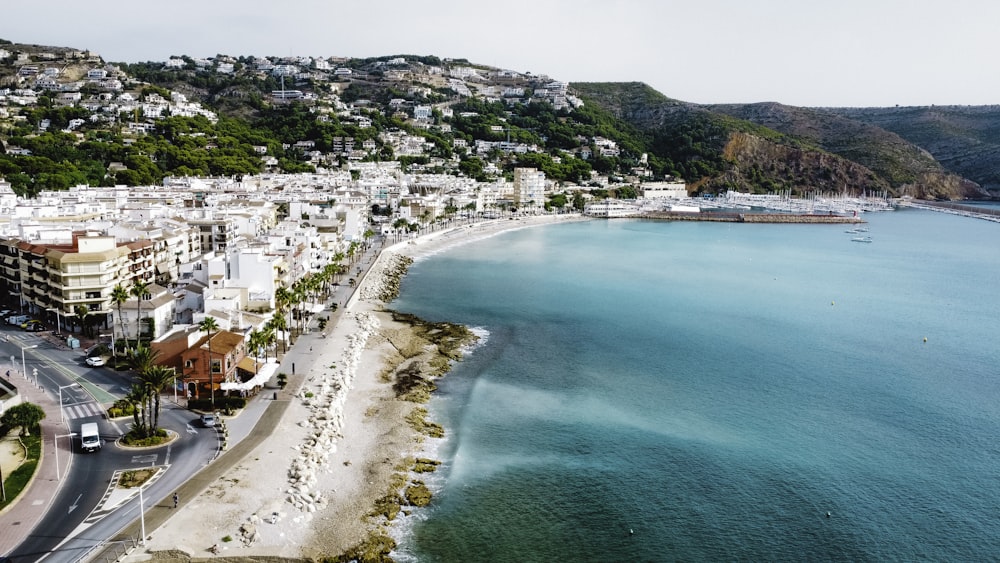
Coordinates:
[150,458]
[83,410]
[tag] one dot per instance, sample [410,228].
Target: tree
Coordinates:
[155,379]
[82,313]
[119,295]
[138,397]
[256,343]
[277,325]
[26,415]
[208,324]
[142,358]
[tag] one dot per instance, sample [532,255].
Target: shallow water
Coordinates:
[716,389]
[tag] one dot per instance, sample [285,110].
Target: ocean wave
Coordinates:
[482,337]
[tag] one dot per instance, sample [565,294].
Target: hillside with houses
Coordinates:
[142,199]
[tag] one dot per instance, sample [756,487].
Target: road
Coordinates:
[87,510]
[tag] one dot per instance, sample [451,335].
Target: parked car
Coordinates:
[6,313]
[36,327]
[29,323]
[96,361]
[208,419]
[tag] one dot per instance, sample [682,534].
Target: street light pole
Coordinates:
[24,367]
[142,516]
[56,311]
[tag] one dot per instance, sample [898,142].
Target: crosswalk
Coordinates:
[82,410]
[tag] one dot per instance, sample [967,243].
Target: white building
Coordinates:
[529,187]
[664,190]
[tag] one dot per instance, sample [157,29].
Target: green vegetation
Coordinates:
[136,477]
[25,416]
[15,483]
[374,549]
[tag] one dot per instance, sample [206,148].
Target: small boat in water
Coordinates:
[861,239]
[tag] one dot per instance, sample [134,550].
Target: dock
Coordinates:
[954,208]
[722,217]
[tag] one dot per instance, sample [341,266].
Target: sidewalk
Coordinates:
[18,520]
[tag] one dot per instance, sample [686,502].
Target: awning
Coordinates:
[267,370]
[249,364]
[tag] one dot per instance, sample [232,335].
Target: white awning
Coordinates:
[266,371]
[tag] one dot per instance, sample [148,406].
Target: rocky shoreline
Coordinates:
[346,456]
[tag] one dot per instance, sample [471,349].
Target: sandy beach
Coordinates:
[343,444]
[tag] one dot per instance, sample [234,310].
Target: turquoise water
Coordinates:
[652,391]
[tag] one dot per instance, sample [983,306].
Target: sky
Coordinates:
[798,52]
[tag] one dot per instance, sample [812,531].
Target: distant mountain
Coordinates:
[769,146]
[964,139]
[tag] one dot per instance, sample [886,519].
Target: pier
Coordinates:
[955,209]
[723,217]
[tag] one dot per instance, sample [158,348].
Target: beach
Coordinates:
[345,442]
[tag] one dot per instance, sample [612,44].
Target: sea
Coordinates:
[688,391]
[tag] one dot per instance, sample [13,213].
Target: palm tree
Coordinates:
[138,397]
[82,313]
[283,298]
[119,295]
[255,342]
[139,290]
[155,380]
[268,338]
[208,324]
[142,358]
[279,324]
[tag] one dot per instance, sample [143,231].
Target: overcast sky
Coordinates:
[798,52]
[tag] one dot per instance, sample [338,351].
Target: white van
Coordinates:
[90,438]
[17,319]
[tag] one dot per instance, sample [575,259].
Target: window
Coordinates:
[216,366]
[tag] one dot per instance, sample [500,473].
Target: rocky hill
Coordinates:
[964,139]
[767,147]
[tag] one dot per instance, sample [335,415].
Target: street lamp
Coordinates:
[56,439]
[62,418]
[24,368]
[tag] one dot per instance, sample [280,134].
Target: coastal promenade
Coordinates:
[19,518]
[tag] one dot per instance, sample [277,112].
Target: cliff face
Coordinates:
[757,161]
[903,167]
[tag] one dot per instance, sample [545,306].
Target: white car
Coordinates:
[96,361]
[208,420]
